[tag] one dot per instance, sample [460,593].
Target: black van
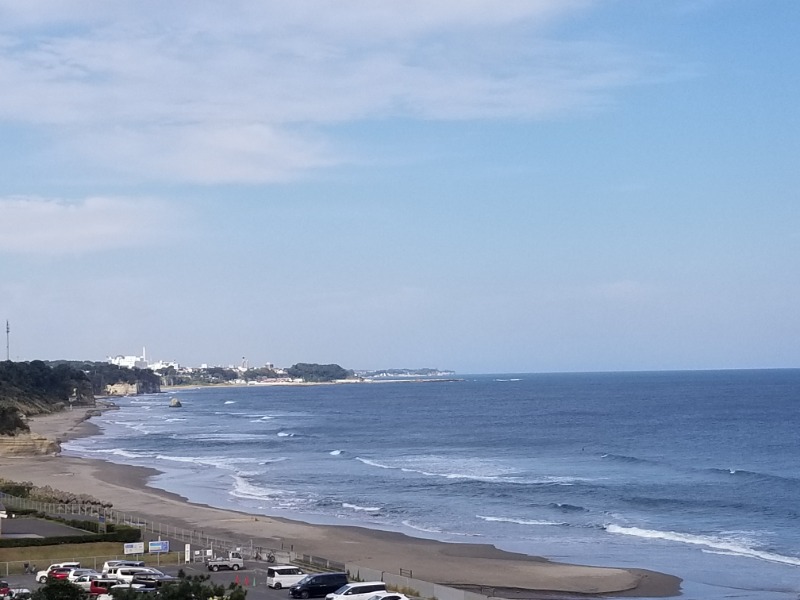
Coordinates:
[318,585]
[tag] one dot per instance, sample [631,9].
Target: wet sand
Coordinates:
[463,565]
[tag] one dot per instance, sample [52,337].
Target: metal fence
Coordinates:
[205,545]
[151,530]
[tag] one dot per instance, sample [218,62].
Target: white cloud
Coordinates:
[57,227]
[214,92]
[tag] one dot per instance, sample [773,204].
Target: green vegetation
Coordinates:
[11,421]
[59,589]
[31,388]
[102,374]
[318,373]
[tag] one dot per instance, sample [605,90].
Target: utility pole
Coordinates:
[8,350]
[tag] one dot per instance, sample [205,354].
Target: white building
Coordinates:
[139,362]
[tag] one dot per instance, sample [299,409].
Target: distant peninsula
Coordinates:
[403,373]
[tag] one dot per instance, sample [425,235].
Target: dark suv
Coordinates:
[318,585]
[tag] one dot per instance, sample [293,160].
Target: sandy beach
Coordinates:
[460,565]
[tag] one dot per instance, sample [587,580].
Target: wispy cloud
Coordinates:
[241,91]
[57,227]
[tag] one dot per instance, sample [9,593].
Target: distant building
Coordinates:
[163,364]
[139,362]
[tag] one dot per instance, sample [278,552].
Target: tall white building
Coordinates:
[139,362]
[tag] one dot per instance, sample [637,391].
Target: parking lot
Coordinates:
[254,578]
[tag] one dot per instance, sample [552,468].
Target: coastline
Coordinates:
[466,566]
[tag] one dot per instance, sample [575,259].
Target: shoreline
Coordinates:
[463,565]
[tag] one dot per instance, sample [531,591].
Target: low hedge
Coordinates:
[121,534]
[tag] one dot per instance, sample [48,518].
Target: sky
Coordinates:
[473,185]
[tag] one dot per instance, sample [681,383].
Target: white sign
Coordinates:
[187,553]
[158,547]
[135,548]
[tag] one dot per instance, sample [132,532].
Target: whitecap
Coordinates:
[711,544]
[335,452]
[517,521]
[358,508]
[411,525]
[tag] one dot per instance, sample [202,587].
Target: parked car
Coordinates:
[281,576]
[122,563]
[85,581]
[152,580]
[19,594]
[126,574]
[76,573]
[359,590]
[101,585]
[126,588]
[317,585]
[389,596]
[41,576]
[5,588]
[60,572]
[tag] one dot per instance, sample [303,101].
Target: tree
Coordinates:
[317,373]
[192,587]
[11,422]
[58,589]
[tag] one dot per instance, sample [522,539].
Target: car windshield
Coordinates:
[342,590]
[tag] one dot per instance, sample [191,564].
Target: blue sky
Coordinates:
[517,186]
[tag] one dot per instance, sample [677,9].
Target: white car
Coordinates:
[122,563]
[85,581]
[358,590]
[76,573]
[281,576]
[127,574]
[389,596]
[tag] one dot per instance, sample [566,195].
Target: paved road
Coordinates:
[254,576]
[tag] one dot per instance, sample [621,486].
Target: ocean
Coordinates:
[696,474]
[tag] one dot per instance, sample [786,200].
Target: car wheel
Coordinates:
[277,586]
[304,594]
[215,568]
[43,579]
[235,567]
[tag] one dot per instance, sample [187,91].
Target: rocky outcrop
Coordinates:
[28,444]
[122,389]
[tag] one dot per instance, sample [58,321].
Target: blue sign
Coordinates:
[158,547]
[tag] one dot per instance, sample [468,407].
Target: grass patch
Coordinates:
[91,556]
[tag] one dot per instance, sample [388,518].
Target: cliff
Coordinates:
[28,444]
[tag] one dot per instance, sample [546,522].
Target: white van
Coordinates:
[126,574]
[121,563]
[360,590]
[281,576]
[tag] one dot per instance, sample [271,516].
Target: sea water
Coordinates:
[696,474]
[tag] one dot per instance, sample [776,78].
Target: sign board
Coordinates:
[187,553]
[158,547]
[135,548]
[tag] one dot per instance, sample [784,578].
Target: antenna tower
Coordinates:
[8,347]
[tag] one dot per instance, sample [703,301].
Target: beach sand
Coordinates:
[460,565]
